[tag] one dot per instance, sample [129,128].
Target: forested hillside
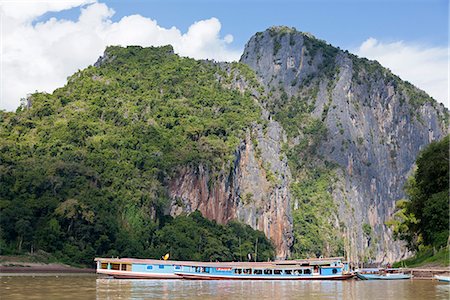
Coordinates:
[83,170]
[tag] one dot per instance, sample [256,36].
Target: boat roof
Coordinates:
[279,263]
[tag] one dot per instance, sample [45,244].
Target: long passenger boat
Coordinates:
[308,269]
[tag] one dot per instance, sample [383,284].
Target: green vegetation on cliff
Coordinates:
[83,170]
[314,233]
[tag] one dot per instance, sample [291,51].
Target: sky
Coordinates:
[44,42]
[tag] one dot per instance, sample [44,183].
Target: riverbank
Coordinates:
[426,273]
[25,264]
[426,260]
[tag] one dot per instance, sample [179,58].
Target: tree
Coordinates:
[422,219]
[23,229]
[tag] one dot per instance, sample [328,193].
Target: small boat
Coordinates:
[308,269]
[381,274]
[442,278]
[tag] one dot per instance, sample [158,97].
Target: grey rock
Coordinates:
[370,111]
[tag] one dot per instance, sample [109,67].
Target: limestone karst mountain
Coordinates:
[301,140]
[375,125]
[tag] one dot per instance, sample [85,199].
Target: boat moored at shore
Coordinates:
[308,269]
[382,274]
[442,278]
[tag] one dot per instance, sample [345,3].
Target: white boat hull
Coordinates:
[137,275]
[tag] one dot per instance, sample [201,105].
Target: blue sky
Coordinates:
[342,23]
[45,41]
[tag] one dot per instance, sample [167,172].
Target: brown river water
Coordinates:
[89,286]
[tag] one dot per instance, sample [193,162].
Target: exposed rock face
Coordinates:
[375,127]
[264,182]
[246,193]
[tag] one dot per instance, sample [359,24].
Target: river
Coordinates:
[90,287]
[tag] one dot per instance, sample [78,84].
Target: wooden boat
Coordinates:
[381,274]
[442,278]
[310,269]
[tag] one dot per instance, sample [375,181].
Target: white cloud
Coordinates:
[425,67]
[41,56]
[27,10]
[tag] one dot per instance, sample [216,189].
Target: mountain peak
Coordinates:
[281,29]
[289,55]
[128,52]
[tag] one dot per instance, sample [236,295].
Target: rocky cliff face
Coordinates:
[256,188]
[251,192]
[375,126]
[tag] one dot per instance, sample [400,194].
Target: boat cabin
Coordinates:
[259,270]
[136,268]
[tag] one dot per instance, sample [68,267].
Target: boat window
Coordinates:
[177,267]
[161,266]
[268,272]
[224,269]
[247,271]
[289,272]
[298,272]
[257,272]
[237,271]
[115,267]
[307,271]
[104,266]
[123,267]
[277,272]
[206,270]
[334,271]
[149,267]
